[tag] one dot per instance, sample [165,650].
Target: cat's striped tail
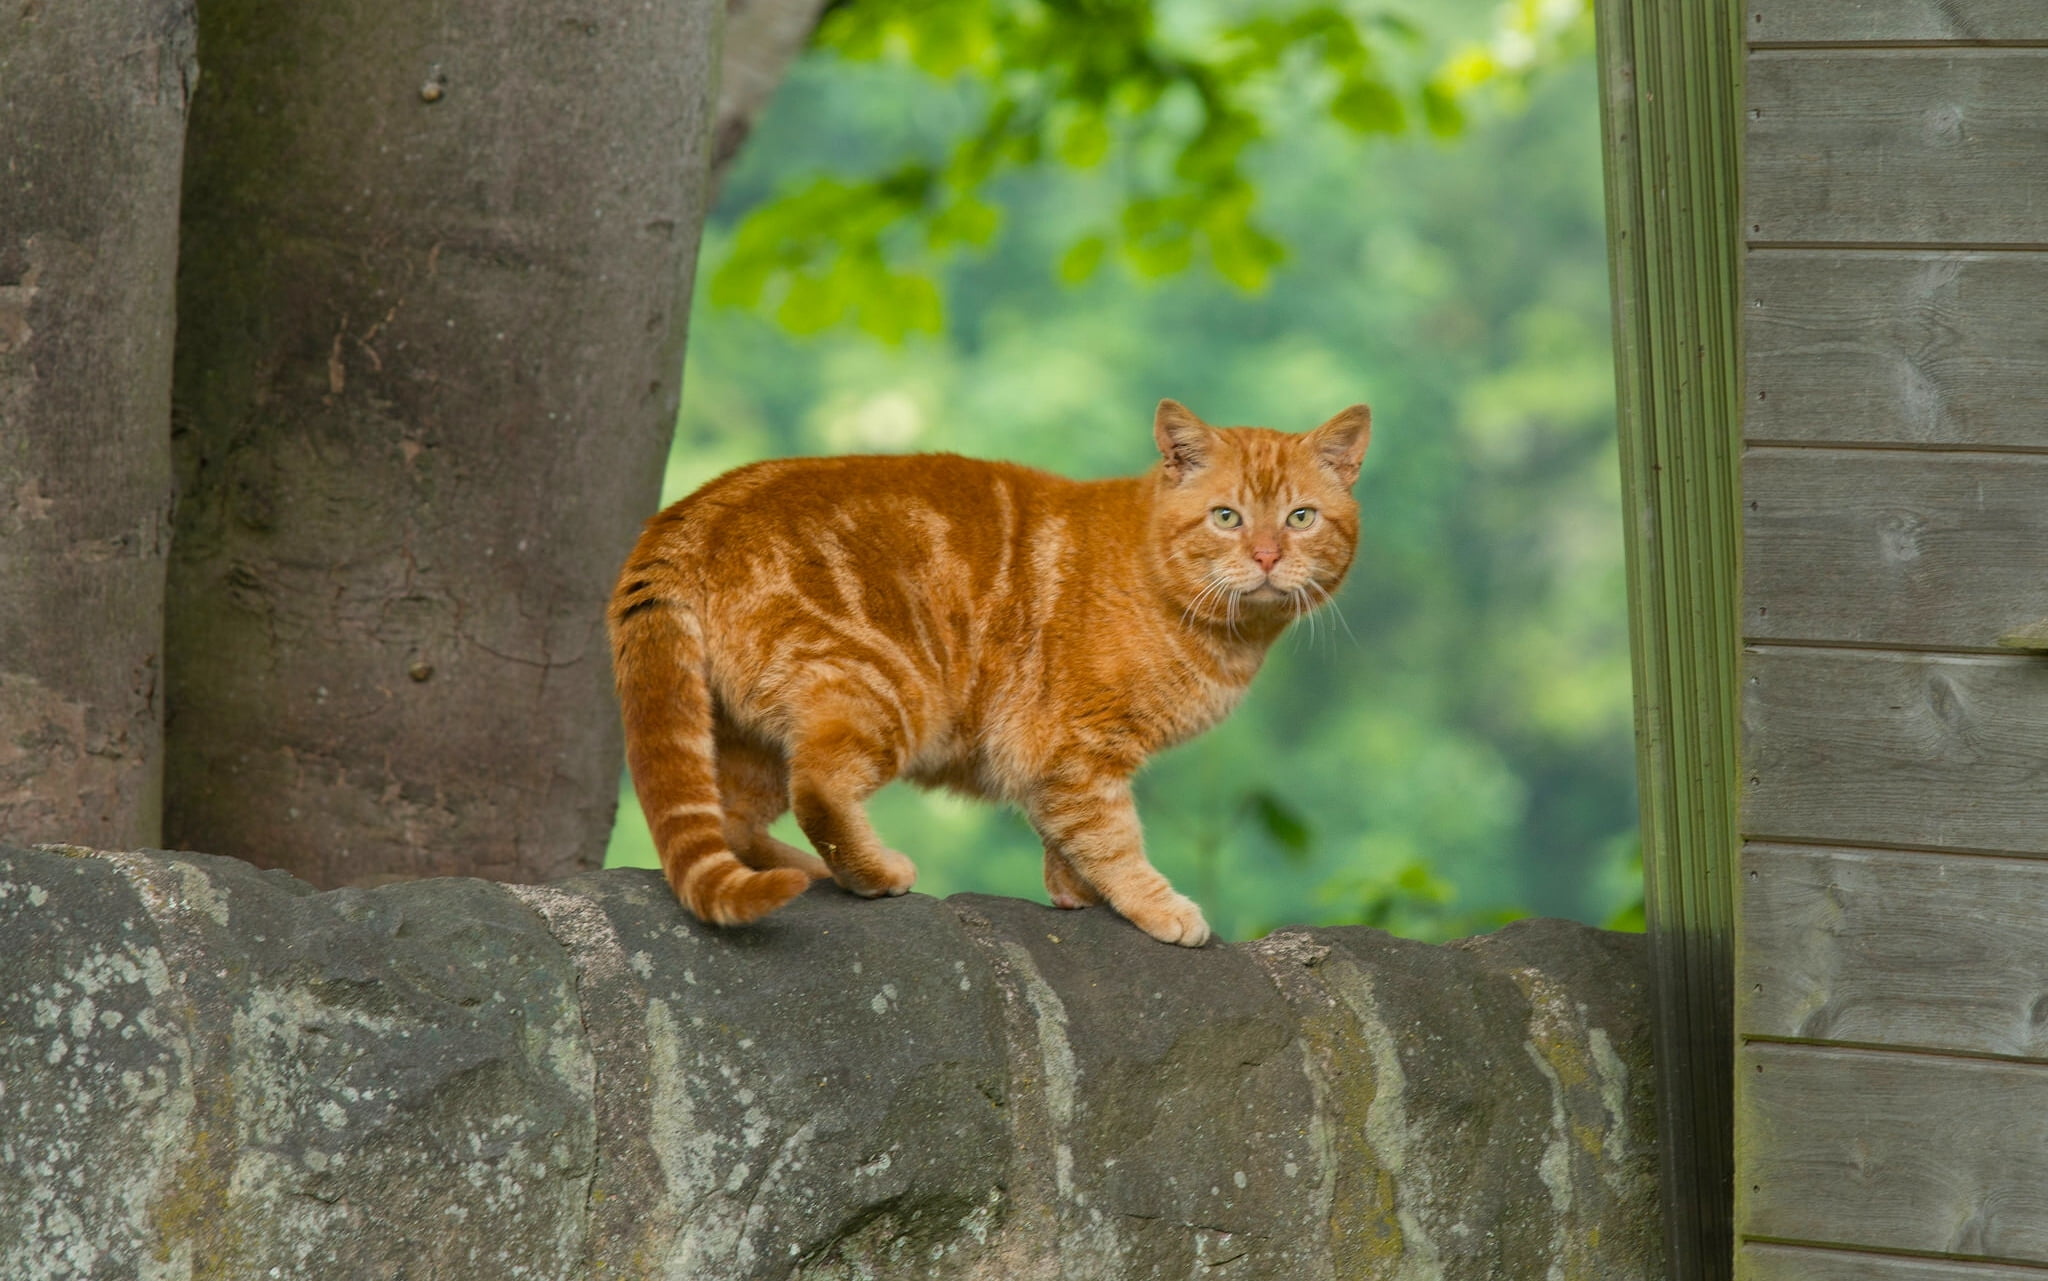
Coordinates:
[658,665]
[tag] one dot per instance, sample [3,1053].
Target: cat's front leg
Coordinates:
[1092,823]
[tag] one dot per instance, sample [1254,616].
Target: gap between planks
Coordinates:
[1893,447]
[1993,654]
[1750,839]
[1911,250]
[1899,246]
[1890,647]
[1927,45]
[1776,49]
[1891,1048]
[1909,1256]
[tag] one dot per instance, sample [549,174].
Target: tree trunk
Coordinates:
[435,277]
[762,39]
[92,109]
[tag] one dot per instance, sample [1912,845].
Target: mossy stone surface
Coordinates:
[211,1071]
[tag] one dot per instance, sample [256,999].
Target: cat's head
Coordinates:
[1251,526]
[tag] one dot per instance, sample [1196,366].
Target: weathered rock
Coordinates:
[210,1071]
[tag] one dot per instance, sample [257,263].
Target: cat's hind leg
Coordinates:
[1092,822]
[753,786]
[841,754]
[1065,885]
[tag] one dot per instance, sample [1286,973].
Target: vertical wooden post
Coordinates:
[1671,100]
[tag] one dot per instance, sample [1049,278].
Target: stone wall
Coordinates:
[210,1071]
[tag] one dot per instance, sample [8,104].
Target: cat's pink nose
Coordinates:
[1267,557]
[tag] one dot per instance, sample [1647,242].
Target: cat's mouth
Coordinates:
[1301,597]
[1263,596]
[1272,593]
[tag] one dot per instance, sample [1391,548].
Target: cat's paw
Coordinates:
[1177,920]
[877,873]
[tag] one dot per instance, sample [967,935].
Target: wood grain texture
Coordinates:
[1756,1261]
[1833,22]
[1893,548]
[1894,1151]
[1944,952]
[1671,118]
[1872,748]
[1897,348]
[1898,146]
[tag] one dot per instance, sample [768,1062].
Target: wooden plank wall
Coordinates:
[1892,942]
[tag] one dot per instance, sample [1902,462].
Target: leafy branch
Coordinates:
[1413,902]
[1091,85]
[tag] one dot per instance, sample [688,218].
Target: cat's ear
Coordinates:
[1340,443]
[1184,440]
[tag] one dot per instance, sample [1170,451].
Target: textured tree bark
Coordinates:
[435,275]
[762,39]
[92,110]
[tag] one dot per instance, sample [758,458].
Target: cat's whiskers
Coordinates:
[1217,585]
[1214,583]
[1303,608]
[1224,595]
[1331,601]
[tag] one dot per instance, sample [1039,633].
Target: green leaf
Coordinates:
[1629,920]
[1244,255]
[1441,112]
[742,278]
[810,305]
[1419,883]
[914,299]
[968,220]
[1161,254]
[1211,156]
[1398,27]
[1283,823]
[1085,141]
[1368,106]
[1082,259]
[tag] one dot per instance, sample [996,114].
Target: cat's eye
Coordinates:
[1301,518]
[1225,518]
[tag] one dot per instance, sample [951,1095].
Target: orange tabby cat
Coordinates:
[797,633]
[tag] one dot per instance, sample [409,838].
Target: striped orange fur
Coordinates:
[797,633]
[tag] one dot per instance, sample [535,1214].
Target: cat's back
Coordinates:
[921,505]
[927,572]
[838,479]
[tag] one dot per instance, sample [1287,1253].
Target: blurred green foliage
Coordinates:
[1449,748]
[1165,106]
